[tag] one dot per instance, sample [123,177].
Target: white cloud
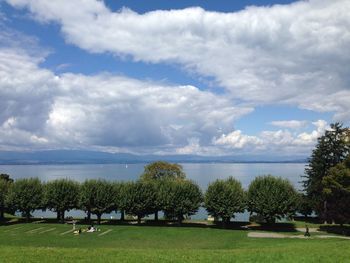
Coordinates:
[291,124]
[273,142]
[237,140]
[42,110]
[294,54]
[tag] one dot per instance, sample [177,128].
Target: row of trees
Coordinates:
[269,197]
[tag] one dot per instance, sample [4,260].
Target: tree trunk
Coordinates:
[156,216]
[62,216]
[99,218]
[179,219]
[28,215]
[2,214]
[226,222]
[138,219]
[88,215]
[122,215]
[325,212]
[58,215]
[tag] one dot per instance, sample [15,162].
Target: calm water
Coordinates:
[201,173]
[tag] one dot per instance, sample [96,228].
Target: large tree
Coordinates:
[61,195]
[121,198]
[26,195]
[271,198]
[6,177]
[180,198]
[337,191]
[141,197]
[331,149]
[160,169]
[224,198]
[97,197]
[4,187]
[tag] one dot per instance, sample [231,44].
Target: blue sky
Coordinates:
[173,77]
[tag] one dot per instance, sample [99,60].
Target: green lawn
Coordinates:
[44,242]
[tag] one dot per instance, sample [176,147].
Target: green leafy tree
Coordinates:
[271,198]
[337,191]
[121,198]
[26,195]
[141,199]
[160,169]
[97,197]
[331,149]
[224,198]
[304,205]
[6,177]
[61,195]
[4,187]
[180,198]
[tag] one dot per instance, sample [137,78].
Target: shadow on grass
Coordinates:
[308,220]
[336,229]
[277,227]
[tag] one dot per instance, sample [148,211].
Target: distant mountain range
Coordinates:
[95,157]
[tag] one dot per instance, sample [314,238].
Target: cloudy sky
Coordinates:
[173,77]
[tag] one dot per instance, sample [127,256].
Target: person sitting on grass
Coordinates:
[91,229]
[77,232]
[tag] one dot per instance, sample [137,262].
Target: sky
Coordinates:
[173,77]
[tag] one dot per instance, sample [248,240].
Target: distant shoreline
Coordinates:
[148,161]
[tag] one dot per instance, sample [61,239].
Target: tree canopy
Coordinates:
[97,197]
[180,198]
[26,195]
[160,169]
[331,149]
[142,196]
[337,191]
[61,195]
[224,198]
[271,197]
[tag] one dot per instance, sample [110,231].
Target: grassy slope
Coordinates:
[160,244]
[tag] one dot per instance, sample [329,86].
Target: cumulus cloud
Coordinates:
[273,142]
[293,54]
[237,140]
[292,124]
[42,110]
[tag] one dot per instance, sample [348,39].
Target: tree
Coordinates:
[121,198]
[331,149]
[26,195]
[97,197]
[304,205]
[160,169]
[4,187]
[337,191]
[271,197]
[224,198]
[180,198]
[141,199]
[6,177]
[61,195]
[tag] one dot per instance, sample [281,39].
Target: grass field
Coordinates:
[51,242]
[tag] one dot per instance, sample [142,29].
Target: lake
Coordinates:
[201,173]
